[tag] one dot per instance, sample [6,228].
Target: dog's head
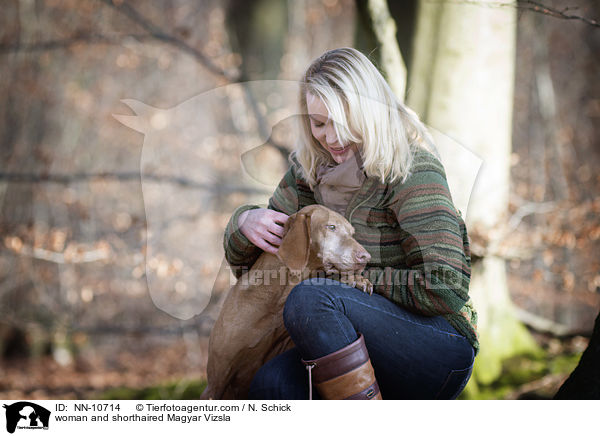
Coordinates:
[319,238]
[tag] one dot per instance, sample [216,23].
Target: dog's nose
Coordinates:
[362,256]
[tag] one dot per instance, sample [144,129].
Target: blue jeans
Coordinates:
[414,356]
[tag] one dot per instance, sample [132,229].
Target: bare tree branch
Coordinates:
[545,382]
[59,44]
[541,324]
[154,33]
[529,5]
[384,27]
[66,179]
[157,33]
[67,257]
[126,9]
[526,209]
[553,12]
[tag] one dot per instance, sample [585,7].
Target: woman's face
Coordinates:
[323,130]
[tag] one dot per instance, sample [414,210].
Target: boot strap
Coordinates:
[309,366]
[349,363]
[341,361]
[356,384]
[368,393]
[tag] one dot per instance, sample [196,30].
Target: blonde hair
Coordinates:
[365,111]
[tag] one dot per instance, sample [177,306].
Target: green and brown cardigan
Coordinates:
[420,256]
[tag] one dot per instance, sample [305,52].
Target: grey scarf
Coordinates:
[337,183]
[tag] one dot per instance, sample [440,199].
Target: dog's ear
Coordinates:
[295,246]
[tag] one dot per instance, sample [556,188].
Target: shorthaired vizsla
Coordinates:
[249,330]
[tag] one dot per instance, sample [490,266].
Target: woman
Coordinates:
[367,156]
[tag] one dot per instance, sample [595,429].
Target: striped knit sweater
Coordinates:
[420,256]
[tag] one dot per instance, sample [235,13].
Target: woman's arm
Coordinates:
[239,251]
[292,194]
[435,277]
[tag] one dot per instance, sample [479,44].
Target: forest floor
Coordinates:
[167,368]
[175,370]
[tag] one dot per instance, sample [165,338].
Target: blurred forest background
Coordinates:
[127,140]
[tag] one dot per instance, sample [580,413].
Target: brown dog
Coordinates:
[249,330]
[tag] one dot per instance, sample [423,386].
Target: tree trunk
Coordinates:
[461,83]
[384,27]
[584,381]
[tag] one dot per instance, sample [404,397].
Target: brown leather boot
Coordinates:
[345,374]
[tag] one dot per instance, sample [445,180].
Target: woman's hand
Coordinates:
[263,227]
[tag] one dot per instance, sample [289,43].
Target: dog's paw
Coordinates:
[364,285]
[358,282]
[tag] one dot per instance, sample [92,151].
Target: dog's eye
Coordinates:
[331,227]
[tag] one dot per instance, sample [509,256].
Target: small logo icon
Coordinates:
[26,415]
